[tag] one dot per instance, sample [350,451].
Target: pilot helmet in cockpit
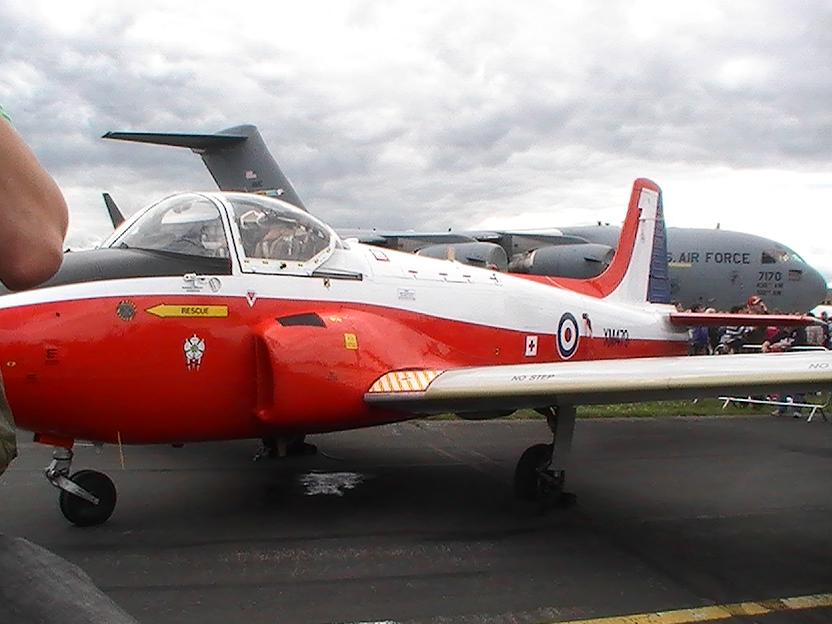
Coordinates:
[212,236]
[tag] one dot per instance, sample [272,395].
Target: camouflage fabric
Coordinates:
[8,440]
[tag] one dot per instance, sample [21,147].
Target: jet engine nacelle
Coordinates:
[312,368]
[577,261]
[488,255]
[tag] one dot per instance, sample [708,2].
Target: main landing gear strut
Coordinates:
[282,446]
[87,497]
[541,471]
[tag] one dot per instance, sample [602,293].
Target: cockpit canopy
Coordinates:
[265,234]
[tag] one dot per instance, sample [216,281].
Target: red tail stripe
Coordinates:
[604,284]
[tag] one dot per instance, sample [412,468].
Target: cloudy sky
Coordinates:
[451,114]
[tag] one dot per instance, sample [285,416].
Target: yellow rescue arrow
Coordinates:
[169,310]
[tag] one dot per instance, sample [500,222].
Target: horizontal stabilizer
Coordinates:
[237,158]
[196,142]
[719,319]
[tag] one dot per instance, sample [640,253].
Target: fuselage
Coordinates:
[257,348]
[721,268]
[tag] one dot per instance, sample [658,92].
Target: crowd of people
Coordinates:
[720,340]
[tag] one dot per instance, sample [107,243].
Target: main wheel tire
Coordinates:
[83,513]
[527,485]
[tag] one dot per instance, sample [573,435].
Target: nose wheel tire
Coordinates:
[85,513]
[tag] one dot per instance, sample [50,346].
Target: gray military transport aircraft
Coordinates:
[715,268]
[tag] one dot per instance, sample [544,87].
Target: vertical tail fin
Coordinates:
[638,271]
[112,209]
[237,158]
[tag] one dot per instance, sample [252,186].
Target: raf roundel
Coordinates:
[567,338]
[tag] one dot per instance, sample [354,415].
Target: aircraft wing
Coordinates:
[528,240]
[517,386]
[387,238]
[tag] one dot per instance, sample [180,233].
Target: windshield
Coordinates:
[186,224]
[774,256]
[274,230]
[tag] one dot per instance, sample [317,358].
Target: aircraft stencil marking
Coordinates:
[567,336]
[167,310]
[406,294]
[194,350]
[616,337]
[350,342]
[531,346]
[197,283]
[52,356]
[251,297]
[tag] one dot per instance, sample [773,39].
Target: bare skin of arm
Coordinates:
[33,215]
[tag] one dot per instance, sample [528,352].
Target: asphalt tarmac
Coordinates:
[416,522]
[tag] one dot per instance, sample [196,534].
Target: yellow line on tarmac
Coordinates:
[714,612]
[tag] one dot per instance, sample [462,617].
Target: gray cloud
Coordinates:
[391,115]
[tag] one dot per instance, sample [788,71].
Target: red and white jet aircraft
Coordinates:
[212,316]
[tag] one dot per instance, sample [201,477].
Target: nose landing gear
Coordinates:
[88,497]
[541,470]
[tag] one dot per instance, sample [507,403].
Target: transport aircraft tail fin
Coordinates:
[116,217]
[638,271]
[236,157]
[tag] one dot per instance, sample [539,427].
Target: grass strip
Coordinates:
[700,407]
